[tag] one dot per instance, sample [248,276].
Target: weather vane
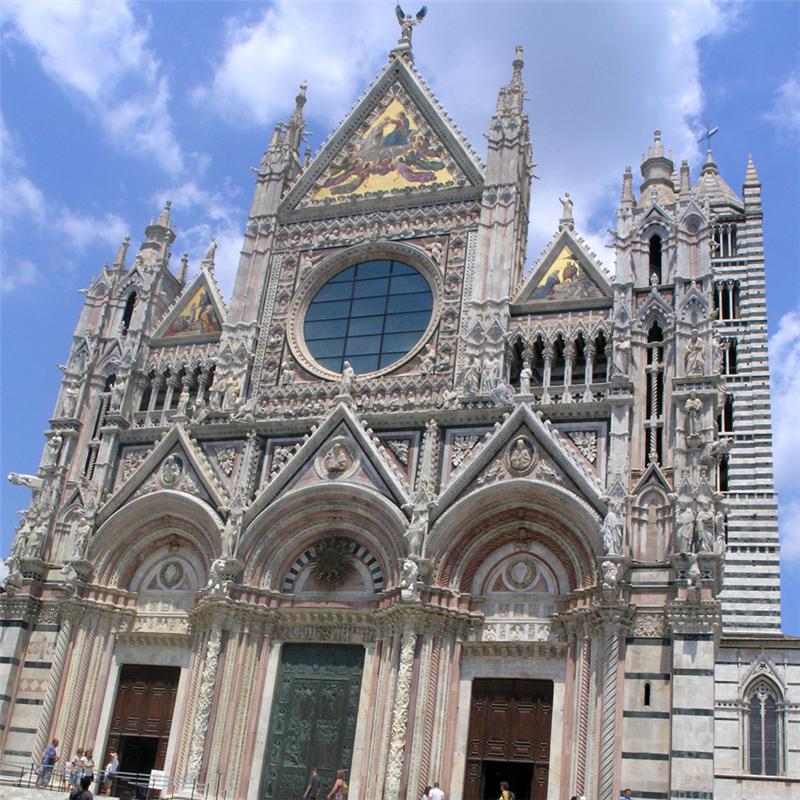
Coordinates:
[707,135]
[408,22]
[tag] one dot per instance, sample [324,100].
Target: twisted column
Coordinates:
[400,720]
[583,713]
[53,683]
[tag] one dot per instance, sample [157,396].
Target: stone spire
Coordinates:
[751,191]
[208,261]
[184,268]
[686,182]
[119,260]
[657,170]
[159,235]
[626,199]
[295,128]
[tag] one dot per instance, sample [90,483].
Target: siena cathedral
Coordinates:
[407,508]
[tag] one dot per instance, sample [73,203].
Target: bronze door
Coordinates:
[142,717]
[509,738]
[313,718]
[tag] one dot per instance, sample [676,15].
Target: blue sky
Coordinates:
[111,107]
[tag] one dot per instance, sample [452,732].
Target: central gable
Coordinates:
[396,141]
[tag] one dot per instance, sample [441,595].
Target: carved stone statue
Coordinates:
[13,581]
[566,206]
[347,381]
[117,391]
[408,579]
[704,526]
[183,402]
[694,409]
[337,460]
[428,362]
[409,22]
[719,532]
[612,530]
[82,534]
[287,375]
[216,577]
[52,450]
[470,378]
[525,375]
[231,393]
[231,532]
[622,353]
[21,479]
[610,574]
[684,528]
[69,400]
[418,527]
[694,361]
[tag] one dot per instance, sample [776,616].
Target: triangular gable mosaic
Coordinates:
[197,315]
[565,275]
[395,141]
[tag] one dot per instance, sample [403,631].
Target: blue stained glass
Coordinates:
[370,314]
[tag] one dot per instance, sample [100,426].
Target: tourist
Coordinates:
[312,790]
[340,788]
[426,795]
[82,792]
[505,792]
[108,774]
[627,794]
[47,765]
[87,764]
[73,772]
[436,793]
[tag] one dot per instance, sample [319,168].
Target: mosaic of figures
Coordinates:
[198,316]
[395,151]
[565,279]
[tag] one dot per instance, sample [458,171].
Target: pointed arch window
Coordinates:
[127,314]
[655,259]
[764,730]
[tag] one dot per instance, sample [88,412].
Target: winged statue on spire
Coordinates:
[408,22]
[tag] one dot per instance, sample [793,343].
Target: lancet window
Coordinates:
[726,300]
[725,416]
[127,314]
[729,356]
[655,259]
[654,375]
[763,730]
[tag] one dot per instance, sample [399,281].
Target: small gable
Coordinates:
[197,316]
[566,275]
[395,141]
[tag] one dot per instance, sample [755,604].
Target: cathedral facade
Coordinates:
[407,509]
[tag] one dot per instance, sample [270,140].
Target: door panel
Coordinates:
[313,719]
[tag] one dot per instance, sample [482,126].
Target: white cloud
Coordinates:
[84,229]
[22,273]
[784,356]
[785,113]
[594,100]
[99,53]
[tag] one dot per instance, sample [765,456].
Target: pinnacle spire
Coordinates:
[517,65]
[751,176]
[163,217]
[119,260]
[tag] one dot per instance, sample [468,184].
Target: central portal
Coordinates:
[509,738]
[313,719]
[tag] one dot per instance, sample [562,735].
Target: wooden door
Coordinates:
[510,723]
[143,710]
[313,719]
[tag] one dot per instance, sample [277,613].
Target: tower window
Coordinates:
[725,245]
[647,694]
[655,259]
[725,416]
[127,314]
[654,390]
[729,357]
[726,300]
[763,731]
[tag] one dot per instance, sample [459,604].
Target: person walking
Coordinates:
[312,790]
[505,792]
[426,795]
[340,788]
[46,766]
[436,793]
[82,792]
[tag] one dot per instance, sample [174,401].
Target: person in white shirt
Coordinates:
[436,793]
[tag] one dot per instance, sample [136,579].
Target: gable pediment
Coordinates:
[338,451]
[566,275]
[527,447]
[196,316]
[396,141]
[176,463]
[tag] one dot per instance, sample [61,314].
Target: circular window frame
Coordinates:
[408,254]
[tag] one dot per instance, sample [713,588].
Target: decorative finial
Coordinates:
[184,267]
[408,23]
[706,137]
[517,64]
[566,220]
[212,249]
